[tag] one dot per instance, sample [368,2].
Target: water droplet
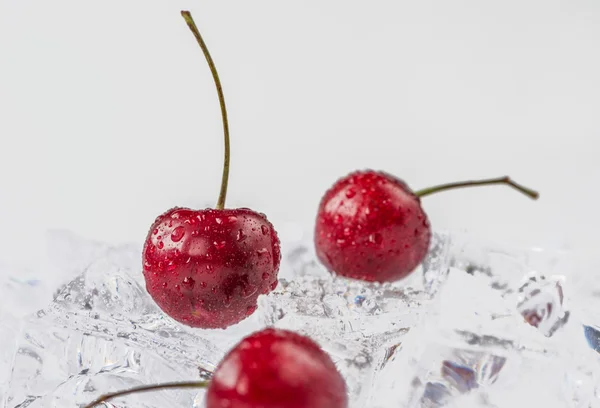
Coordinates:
[250,310]
[203,284]
[220,244]
[207,228]
[165,285]
[219,220]
[177,234]
[350,193]
[338,219]
[240,235]
[265,276]
[188,282]
[347,231]
[232,219]
[155,231]
[195,233]
[262,251]
[210,268]
[264,229]
[376,238]
[159,237]
[341,241]
[160,245]
[274,285]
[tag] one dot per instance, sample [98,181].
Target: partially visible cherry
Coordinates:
[268,369]
[206,268]
[277,369]
[370,225]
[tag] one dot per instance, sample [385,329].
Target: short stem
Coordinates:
[147,388]
[474,183]
[213,69]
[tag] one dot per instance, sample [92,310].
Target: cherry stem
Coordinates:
[213,69]
[475,183]
[146,388]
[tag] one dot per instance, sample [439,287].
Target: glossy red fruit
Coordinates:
[207,268]
[370,226]
[277,369]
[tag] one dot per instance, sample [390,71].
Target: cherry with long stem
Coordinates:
[477,183]
[147,388]
[187,16]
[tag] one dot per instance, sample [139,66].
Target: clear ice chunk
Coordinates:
[101,333]
[355,323]
[478,348]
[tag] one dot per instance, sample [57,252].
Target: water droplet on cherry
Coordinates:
[240,236]
[376,238]
[189,282]
[177,234]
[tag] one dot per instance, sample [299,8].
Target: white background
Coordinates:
[108,113]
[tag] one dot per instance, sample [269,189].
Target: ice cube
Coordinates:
[541,302]
[476,348]
[101,333]
[355,322]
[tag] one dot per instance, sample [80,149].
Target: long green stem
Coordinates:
[147,388]
[213,69]
[474,183]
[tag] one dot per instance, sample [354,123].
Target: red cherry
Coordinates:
[277,369]
[371,226]
[207,268]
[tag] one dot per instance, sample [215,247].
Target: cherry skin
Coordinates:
[277,369]
[207,268]
[370,226]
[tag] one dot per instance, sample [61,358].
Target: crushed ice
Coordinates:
[477,325]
